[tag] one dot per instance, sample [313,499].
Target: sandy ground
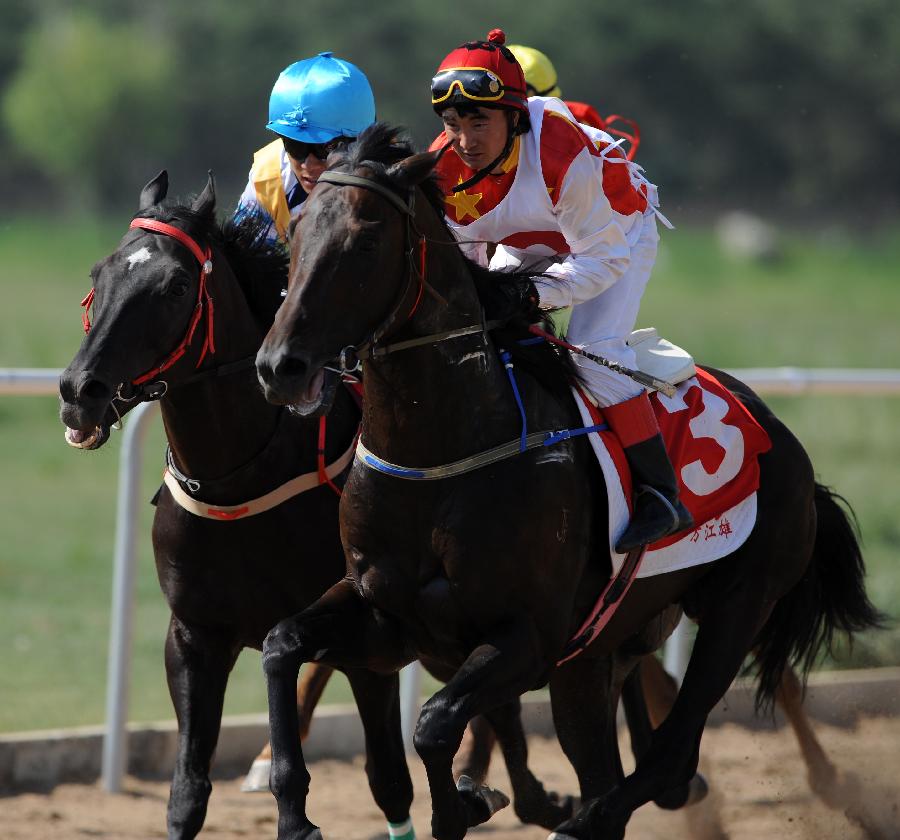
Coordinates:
[758,792]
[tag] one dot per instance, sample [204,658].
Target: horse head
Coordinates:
[357,269]
[147,299]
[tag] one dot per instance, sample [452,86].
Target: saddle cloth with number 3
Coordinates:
[714,444]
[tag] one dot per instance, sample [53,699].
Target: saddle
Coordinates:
[660,358]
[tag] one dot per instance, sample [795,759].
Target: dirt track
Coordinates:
[758,793]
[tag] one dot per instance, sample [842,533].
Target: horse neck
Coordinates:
[218,423]
[438,403]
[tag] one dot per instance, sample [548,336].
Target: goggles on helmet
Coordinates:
[476,83]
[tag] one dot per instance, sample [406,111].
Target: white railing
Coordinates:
[43,381]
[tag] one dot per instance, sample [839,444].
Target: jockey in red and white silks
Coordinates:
[560,198]
[574,210]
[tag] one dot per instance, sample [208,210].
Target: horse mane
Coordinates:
[259,264]
[379,147]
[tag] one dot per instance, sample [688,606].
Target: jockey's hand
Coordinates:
[510,297]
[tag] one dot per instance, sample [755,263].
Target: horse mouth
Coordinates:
[86,427]
[93,439]
[316,399]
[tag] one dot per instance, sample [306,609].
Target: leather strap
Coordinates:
[227,513]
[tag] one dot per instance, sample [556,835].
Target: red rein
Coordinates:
[204,257]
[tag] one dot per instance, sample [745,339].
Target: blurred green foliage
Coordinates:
[778,107]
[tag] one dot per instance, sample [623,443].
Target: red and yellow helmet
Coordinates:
[480,73]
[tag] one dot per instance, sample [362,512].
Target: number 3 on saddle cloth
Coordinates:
[714,443]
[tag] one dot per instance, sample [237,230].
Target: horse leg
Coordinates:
[309,691]
[584,695]
[378,700]
[504,666]
[531,802]
[659,689]
[474,755]
[727,630]
[648,695]
[836,790]
[197,667]
[342,630]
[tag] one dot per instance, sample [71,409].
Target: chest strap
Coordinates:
[228,513]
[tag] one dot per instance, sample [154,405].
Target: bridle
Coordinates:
[150,386]
[351,357]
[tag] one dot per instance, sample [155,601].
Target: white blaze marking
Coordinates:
[138,257]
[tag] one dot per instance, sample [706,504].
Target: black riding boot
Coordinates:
[658,511]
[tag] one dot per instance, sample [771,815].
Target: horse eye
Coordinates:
[367,243]
[178,287]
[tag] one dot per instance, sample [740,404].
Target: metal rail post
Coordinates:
[410,693]
[115,739]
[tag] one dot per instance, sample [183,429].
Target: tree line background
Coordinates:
[790,108]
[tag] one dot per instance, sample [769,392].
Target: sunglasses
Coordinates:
[476,83]
[301,151]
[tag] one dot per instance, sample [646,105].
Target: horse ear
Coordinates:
[205,203]
[411,171]
[155,191]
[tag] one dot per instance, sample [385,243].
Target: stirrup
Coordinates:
[626,541]
[676,516]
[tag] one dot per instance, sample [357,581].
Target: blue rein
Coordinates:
[524,442]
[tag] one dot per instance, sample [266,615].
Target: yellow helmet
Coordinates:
[540,74]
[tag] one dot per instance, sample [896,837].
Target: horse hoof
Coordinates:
[548,810]
[698,789]
[683,796]
[257,779]
[482,802]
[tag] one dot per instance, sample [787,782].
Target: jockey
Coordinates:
[541,80]
[315,105]
[561,199]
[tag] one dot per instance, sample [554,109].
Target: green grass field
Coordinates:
[831,302]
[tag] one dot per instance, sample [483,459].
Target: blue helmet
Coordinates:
[318,99]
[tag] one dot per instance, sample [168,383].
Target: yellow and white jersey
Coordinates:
[273,189]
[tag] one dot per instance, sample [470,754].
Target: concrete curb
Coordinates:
[41,760]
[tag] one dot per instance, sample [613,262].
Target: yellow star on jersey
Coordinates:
[465,204]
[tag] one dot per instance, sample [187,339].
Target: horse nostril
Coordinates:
[96,390]
[290,367]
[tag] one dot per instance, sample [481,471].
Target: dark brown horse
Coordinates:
[491,571]
[230,578]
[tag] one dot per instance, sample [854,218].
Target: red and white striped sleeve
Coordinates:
[591,205]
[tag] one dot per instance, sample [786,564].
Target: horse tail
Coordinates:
[830,597]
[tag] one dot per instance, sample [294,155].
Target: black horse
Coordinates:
[228,579]
[227,582]
[492,571]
